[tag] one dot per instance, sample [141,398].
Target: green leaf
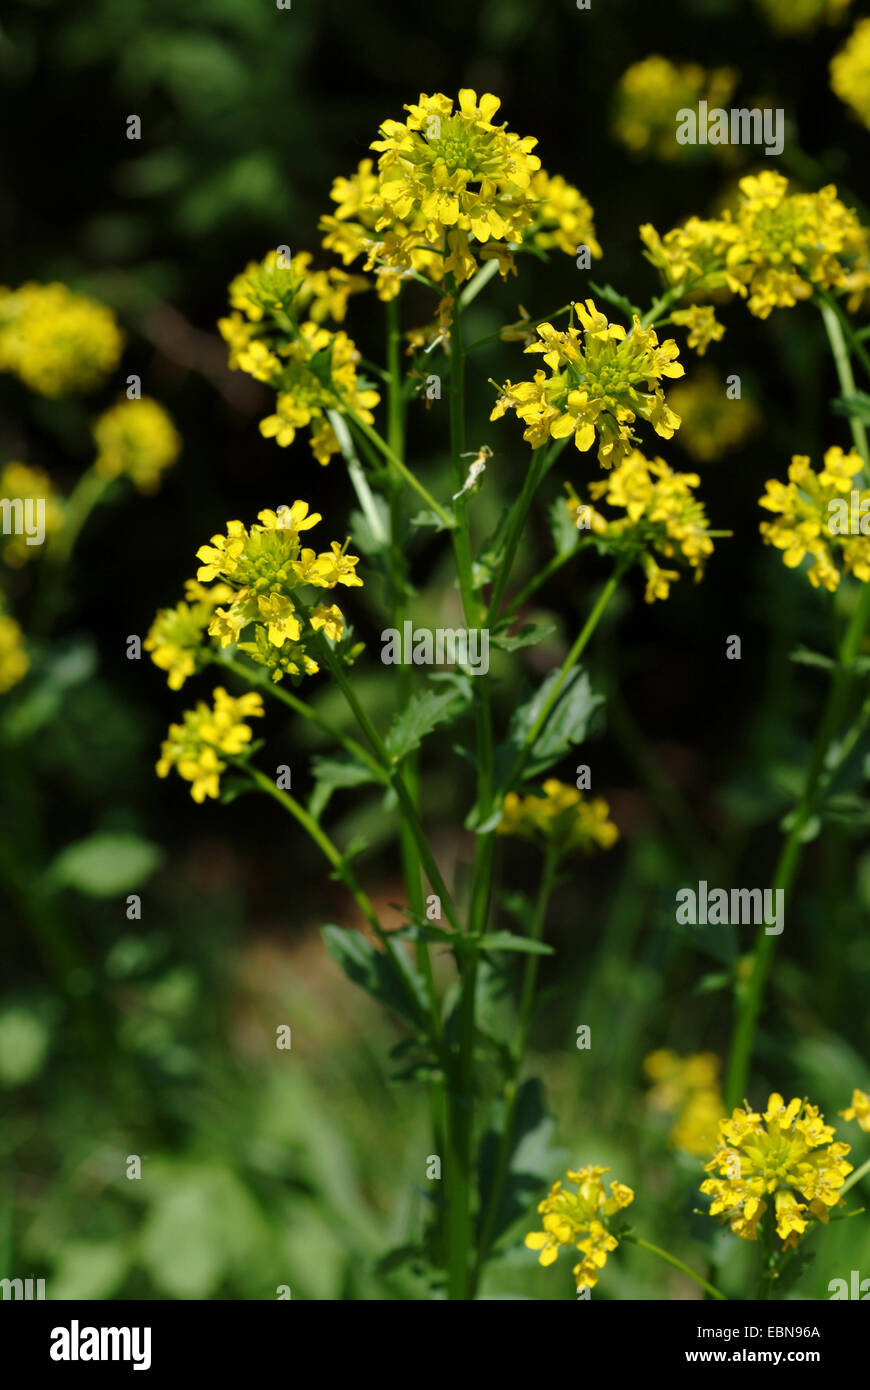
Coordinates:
[333,772]
[105,865]
[427,518]
[847,809]
[612,296]
[528,636]
[533,1160]
[375,972]
[805,657]
[566,725]
[563,528]
[24,1041]
[508,941]
[856,405]
[421,715]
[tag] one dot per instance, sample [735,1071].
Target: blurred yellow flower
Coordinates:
[649,95]
[55,341]
[712,423]
[136,439]
[850,71]
[562,819]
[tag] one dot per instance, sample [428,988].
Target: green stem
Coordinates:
[678,1264]
[356,473]
[401,468]
[855,1177]
[517,1054]
[843,364]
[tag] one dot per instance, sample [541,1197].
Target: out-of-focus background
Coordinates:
[156,1037]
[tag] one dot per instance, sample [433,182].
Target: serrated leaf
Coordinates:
[376,972]
[427,518]
[856,405]
[423,713]
[567,722]
[508,941]
[528,636]
[331,773]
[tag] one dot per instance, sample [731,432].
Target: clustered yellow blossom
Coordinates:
[19,482]
[802,16]
[689,1088]
[786,1153]
[275,335]
[269,573]
[817,516]
[712,422]
[850,71]
[136,439]
[580,1219]
[452,189]
[859,1109]
[14,661]
[193,747]
[176,639]
[562,820]
[703,325]
[774,249]
[661,514]
[649,95]
[601,379]
[55,341]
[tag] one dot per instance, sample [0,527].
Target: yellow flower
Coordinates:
[802,16]
[55,341]
[650,94]
[785,1152]
[176,639]
[773,250]
[14,661]
[18,482]
[661,514]
[138,440]
[193,746]
[859,1109]
[563,217]
[816,518]
[601,380]
[712,423]
[689,1088]
[850,71]
[562,819]
[580,1219]
[704,328]
[265,571]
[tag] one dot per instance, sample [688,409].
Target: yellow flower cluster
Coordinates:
[562,819]
[785,1153]
[55,341]
[193,747]
[268,571]
[176,639]
[451,188]
[275,335]
[600,380]
[14,662]
[712,424]
[816,517]
[774,249]
[859,1109]
[689,1088]
[802,16]
[20,482]
[850,71]
[661,513]
[649,95]
[580,1219]
[136,439]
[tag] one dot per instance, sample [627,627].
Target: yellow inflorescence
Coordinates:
[807,524]
[193,747]
[661,514]
[601,379]
[176,639]
[802,16]
[859,1109]
[562,819]
[14,661]
[651,92]
[775,249]
[55,341]
[580,1219]
[712,423]
[785,1153]
[850,71]
[275,334]
[20,482]
[689,1088]
[136,439]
